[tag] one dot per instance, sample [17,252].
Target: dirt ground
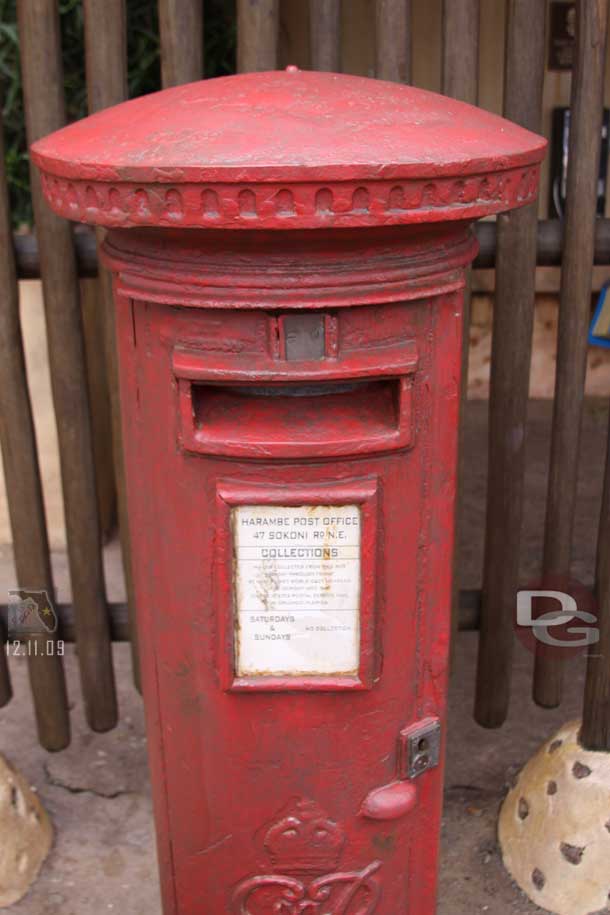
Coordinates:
[97,791]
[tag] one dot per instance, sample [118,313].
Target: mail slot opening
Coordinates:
[289,420]
[298,389]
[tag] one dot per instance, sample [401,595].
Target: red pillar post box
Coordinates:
[288,252]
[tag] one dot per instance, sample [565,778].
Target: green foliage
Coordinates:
[12,108]
[143,72]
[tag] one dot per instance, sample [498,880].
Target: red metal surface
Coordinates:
[232,763]
[286,151]
[290,792]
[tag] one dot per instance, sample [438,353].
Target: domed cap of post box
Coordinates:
[284,150]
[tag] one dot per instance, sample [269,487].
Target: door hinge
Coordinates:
[419,748]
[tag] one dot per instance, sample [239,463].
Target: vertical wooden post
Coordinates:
[105,53]
[460,80]
[109,17]
[99,399]
[24,497]
[586,106]
[460,61]
[106,64]
[10,344]
[595,734]
[510,369]
[181,28]
[6,690]
[393,40]
[325,31]
[45,112]
[257,35]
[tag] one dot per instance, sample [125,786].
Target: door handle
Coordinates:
[418,750]
[390,801]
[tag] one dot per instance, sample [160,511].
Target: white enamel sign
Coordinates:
[297,589]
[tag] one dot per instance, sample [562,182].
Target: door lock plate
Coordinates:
[420,748]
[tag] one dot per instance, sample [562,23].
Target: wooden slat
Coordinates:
[574,313]
[595,734]
[106,44]
[45,112]
[325,34]
[460,79]
[460,61]
[257,35]
[24,495]
[6,691]
[181,29]
[97,386]
[105,50]
[105,27]
[10,347]
[393,40]
[509,383]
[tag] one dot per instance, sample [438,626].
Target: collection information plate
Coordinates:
[297,589]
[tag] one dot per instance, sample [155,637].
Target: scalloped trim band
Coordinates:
[305,205]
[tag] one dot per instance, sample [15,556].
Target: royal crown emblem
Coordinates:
[304,848]
[305,842]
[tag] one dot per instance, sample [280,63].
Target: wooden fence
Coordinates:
[515,244]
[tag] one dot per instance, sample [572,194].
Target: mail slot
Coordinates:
[297,420]
[288,254]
